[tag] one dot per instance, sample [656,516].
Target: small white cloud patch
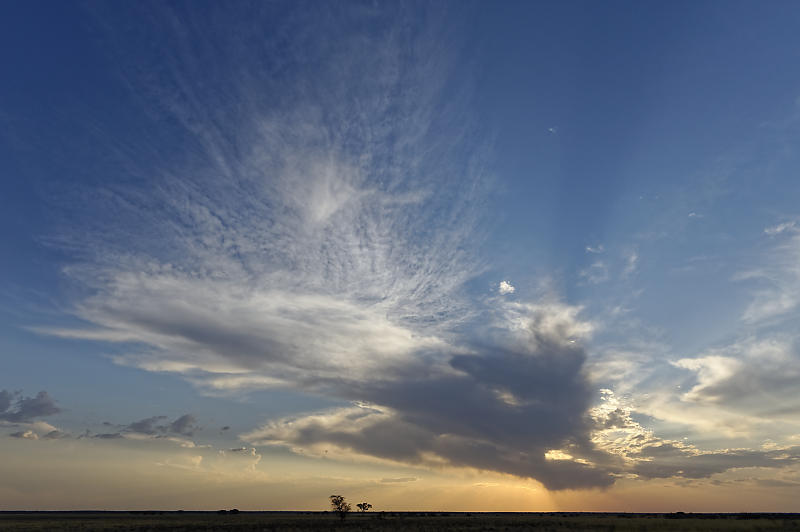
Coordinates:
[506,288]
[781,228]
[631,261]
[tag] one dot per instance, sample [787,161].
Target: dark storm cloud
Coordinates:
[16,408]
[515,394]
[498,409]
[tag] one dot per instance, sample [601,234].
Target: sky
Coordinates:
[512,256]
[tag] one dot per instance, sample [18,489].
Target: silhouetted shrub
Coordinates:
[340,506]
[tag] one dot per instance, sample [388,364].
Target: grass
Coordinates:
[425,521]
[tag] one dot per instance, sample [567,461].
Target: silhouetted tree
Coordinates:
[364,506]
[340,506]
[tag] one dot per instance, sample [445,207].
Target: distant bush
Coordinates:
[340,506]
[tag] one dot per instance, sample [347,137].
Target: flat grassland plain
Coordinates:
[432,521]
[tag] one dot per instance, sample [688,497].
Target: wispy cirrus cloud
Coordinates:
[595,249]
[783,227]
[777,280]
[322,226]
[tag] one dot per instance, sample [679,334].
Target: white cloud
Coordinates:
[756,377]
[711,371]
[505,288]
[777,279]
[781,228]
[552,320]
[631,263]
[596,249]
[218,327]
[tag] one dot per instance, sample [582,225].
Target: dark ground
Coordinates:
[427,521]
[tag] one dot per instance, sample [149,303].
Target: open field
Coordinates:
[424,521]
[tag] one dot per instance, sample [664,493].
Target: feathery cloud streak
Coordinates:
[328,221]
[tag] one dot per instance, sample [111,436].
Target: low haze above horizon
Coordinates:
[476,256]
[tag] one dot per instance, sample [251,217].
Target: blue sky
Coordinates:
[549,250]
